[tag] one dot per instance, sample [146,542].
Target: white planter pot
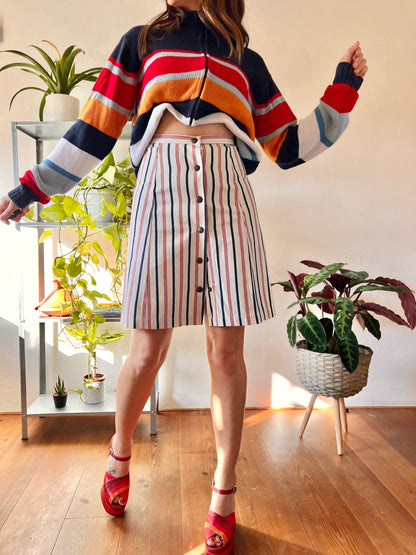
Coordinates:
[97,393]
[94,200]
[61,107]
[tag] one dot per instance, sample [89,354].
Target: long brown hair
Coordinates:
[222,16]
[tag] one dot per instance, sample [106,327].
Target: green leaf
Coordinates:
[371,324]
[91,297]
[313,331]
[121,206]
[45,235]
[356,276]
[53,213]
[75,267]
[285,285]
[109,174]
[70,205]
[99,318]
[349,351]
[309,300]
[292,330]
[328,327]
[323,274]
[107,337]
[394,289]
[58,199]
[98,248]
[84,249]
[111,232]
[344,312]
[21,90]
[79,391]
[59,272]
[110,207]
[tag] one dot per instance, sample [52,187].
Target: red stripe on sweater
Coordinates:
[233,76]
[31,184]
[341,97]
[167,65]
[114,88]
[120,66]
[268,123]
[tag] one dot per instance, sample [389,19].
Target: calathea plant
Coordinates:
[338,293]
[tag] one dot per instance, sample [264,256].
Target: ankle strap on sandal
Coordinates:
[224,491]
[120,459]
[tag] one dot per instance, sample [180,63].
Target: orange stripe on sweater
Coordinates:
[105,119]
[230,104]
[165,91]
[272,146]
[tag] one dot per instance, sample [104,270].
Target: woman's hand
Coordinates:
[354,56]
[7,208]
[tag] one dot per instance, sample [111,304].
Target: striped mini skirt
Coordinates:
[195,251]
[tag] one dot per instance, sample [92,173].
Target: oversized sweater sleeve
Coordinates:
[94,133]
[290,142]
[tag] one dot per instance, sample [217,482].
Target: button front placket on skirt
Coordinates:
[199,225]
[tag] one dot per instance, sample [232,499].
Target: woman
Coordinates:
[201,98]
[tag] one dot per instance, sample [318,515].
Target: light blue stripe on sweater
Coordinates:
[321,124]
[61,171]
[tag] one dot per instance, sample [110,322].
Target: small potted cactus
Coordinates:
[60,395]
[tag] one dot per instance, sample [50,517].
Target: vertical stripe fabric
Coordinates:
[195,247]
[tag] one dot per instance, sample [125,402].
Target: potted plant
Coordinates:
[76,268]
[58,77]
[107,190]
[338,293]
[60,395]
[329,359]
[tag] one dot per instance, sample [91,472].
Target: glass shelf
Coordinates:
[44,406]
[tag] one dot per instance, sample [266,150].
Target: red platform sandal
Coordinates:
[223,526]
[115,487]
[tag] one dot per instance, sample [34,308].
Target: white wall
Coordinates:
[354,204]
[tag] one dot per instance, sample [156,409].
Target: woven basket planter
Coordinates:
[324,374]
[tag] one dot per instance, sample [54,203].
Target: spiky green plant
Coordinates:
[60,386]
[340,296]
[58,76]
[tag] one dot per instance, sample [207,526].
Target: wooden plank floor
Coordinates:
[294,496]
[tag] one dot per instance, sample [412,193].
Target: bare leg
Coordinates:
[228,394]
[148,349]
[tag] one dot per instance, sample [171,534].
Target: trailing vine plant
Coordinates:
[77,266]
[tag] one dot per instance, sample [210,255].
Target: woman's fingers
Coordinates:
[354,56]
[10,211]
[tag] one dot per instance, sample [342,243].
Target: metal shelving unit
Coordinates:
[43,405]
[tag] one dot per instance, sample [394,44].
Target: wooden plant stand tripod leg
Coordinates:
[340,417]
[337,418]
[307,415]
[343,415]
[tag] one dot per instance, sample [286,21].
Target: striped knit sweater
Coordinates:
[188,72]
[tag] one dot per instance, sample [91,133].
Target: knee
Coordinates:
[145,363]
[225,357]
